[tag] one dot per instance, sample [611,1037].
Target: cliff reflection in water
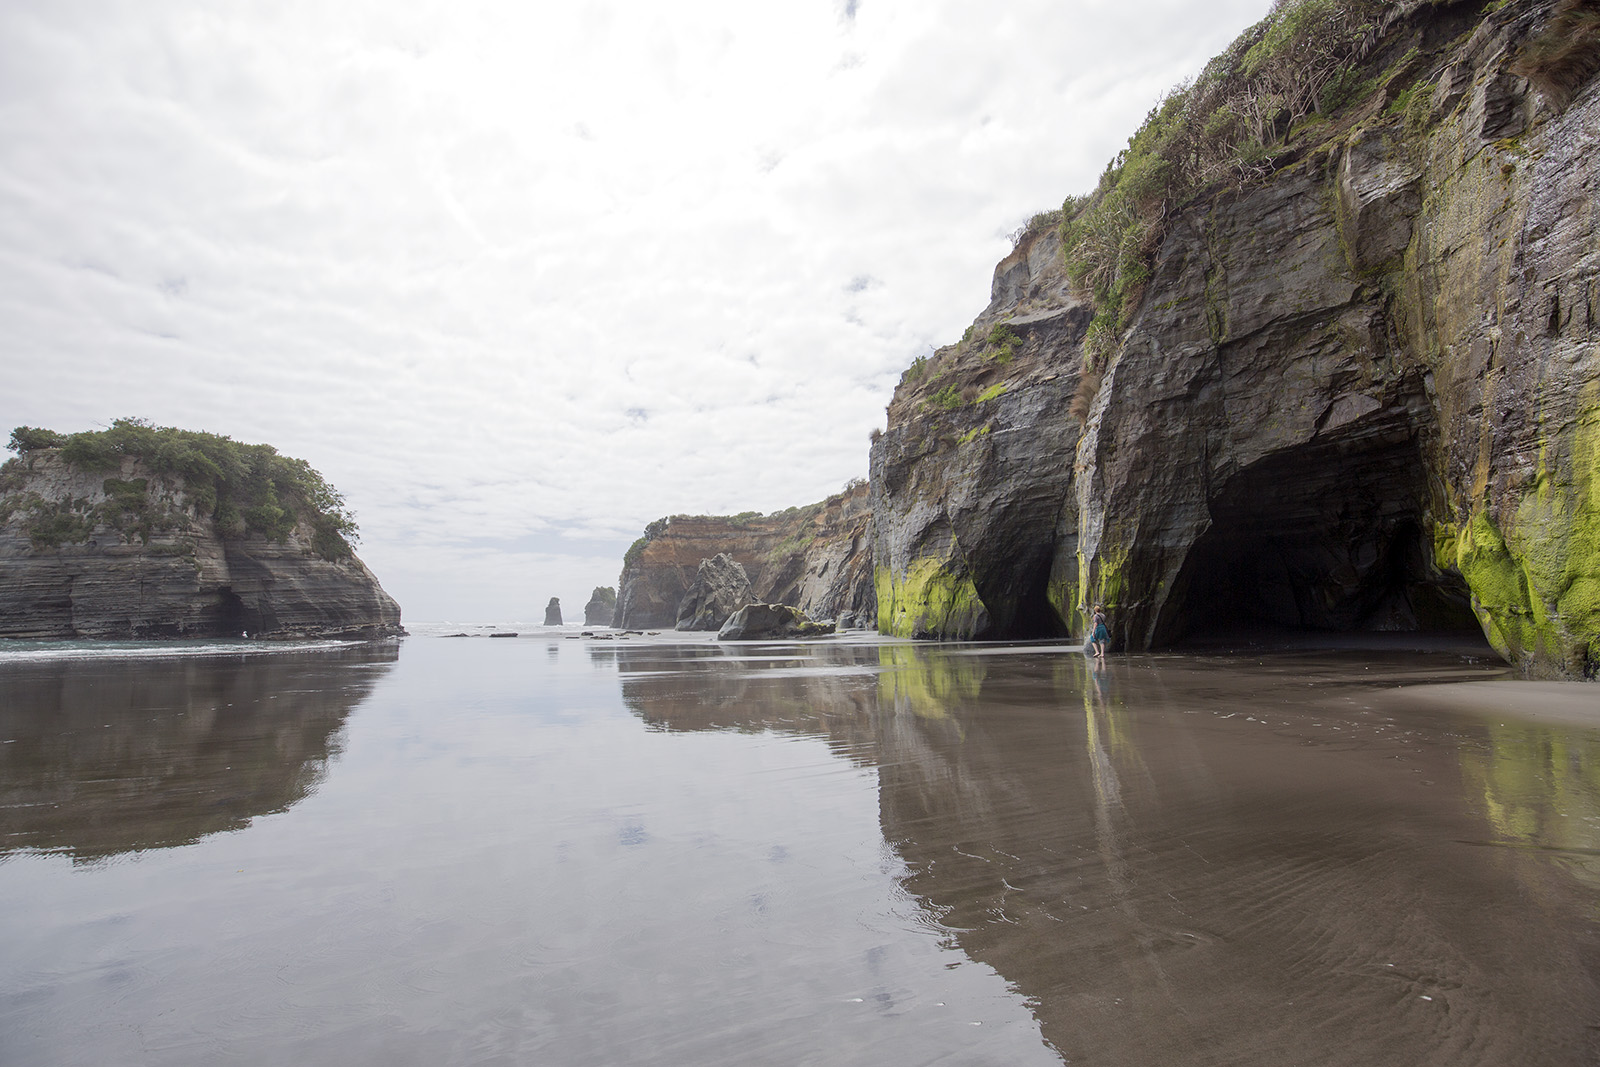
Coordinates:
[827,691]
[110,755]
[1205,860]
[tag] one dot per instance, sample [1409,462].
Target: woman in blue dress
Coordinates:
[1101,635]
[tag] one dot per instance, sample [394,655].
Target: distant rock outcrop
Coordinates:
[601,606]
[756,622]
[552,612]
[96,541]
[721,587]
[817,558]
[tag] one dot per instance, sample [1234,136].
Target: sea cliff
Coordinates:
[108,538]
[1329,366]
[816,558]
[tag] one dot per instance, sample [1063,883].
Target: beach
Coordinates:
[663,849]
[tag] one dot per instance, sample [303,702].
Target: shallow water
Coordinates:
[551,850]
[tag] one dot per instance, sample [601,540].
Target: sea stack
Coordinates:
[140,531]
[601,606]
[552,612]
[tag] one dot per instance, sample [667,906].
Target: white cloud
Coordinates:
[501,269]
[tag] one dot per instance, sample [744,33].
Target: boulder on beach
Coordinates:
[755,622]
[721,587]
[552,612]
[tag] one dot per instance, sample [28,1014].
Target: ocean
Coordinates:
[657,849]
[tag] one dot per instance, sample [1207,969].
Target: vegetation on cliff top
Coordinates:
[1293,83]
[242,488]
[1276,85]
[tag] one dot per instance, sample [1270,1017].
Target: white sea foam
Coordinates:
[35,651]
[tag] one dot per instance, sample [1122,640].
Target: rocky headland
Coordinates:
[1319,353]
[139,532]
[816,558]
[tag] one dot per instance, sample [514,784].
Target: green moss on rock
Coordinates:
[930,600]
[1536,584]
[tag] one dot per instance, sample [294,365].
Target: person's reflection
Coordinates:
[1102,683]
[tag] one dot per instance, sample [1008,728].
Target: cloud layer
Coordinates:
[519,278]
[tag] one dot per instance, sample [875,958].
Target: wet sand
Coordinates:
[852,851]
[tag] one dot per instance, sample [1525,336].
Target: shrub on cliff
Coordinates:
[1224,126]
[31,438]
[242,488]
[1565,54]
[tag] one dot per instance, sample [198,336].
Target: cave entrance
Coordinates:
[233,617]
[1031,616]
[1331,538]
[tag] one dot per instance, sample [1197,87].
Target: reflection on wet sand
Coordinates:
[1215,861]
[826,691]
[106,756]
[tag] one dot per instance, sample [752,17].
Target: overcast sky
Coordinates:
[518,276]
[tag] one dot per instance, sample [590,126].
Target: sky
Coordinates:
[518,277]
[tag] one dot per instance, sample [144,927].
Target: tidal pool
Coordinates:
[663,851]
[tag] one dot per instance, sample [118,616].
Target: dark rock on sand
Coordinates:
[770,621]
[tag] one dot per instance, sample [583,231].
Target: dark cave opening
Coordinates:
[1328,538]
[1035,618]
[233,617]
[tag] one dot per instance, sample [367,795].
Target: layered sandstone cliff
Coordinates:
[816,558]
[1357,390]
[117,550]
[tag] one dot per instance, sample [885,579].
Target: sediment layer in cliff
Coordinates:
[815,558]
[1348,384]
[112,547]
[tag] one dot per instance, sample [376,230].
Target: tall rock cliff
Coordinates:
[972,480]
[1346,378]
[114,549]
[816,558]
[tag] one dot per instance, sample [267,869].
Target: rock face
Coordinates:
[817,558]
[552,612]
[972,480]
[721,587]
[1358,393]
[759,622]
[170,573]
[601,606]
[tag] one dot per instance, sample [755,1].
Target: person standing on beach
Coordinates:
[1101,635]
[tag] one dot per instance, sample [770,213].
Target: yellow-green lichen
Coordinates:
[1104,585]
[929,600]
[974,433]
[1536,583]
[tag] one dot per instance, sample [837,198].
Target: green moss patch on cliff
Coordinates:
[1536,584]
[929,600]
[1105,585]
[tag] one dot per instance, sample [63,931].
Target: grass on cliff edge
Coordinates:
[242,488]
[1296,79]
